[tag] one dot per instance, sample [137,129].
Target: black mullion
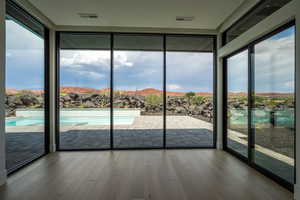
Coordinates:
[164,92]
[111,90]
[251,131]
[46,91]
[225,103]
[57,91]
[215,94]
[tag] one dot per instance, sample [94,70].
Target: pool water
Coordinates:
[71,121]
[282,118]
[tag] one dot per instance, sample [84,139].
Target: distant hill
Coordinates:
[10,91]
[143,92]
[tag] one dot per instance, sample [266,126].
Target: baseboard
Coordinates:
[3,176]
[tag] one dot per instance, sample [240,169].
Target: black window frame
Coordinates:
[164,35]
[15,12]
[251,135]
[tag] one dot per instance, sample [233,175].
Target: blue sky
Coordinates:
[135,70]
[274,66]
[24,58]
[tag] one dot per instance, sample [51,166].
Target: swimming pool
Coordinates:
[283,118]
[71,121]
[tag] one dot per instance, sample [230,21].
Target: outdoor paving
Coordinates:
[145,132]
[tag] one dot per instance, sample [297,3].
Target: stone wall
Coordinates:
[149,105]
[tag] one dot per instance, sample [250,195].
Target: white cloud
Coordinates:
[80,59]
[92,75]
[289,84]
[174,87]
[275,65]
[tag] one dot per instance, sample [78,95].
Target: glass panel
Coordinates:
[85,98]
[237,103]
[261,11]
[274,104]
[138,97]
[24,102]
[189,93]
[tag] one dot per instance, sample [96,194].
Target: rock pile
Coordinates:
[176,105]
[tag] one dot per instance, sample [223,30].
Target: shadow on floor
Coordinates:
[275,166]
[25,146]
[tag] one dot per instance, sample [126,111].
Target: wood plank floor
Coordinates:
[139,175]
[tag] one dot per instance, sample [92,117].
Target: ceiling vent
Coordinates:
[88,15]
[185,18]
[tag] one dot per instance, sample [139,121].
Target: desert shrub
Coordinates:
[197,100]
[290,100]
[189,95]
[153,99]
[118,93]
[62,94]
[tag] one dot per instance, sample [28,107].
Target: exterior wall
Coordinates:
[2,92]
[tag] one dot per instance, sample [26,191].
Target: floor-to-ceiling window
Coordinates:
[84,92]
[26,92]
[237,103]
[189,91]
[138,91]
[267,69]
[273,108]
[126,91]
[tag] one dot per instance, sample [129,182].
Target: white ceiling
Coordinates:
[209,14]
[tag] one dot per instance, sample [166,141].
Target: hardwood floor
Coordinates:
[138,175]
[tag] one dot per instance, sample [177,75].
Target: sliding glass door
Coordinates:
[237,103]
[138,91]
[273,111]
[264,118]
[189,91]
[26,92]
[84,92]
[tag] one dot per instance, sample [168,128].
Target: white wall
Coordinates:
[2,92]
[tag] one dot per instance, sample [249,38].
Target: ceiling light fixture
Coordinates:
[185,18]
[88,15]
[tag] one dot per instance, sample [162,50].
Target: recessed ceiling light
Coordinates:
[88,15]
[185,18]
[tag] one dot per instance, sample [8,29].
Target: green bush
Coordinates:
[153,99]
[189,95]
[62,94]
[198,100]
